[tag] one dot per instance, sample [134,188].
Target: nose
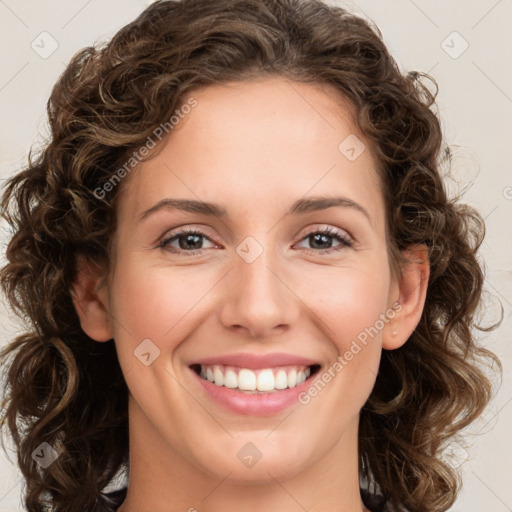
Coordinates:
[258,299]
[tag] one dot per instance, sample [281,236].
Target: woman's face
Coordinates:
[261,289]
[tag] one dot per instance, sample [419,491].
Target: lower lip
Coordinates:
[264,404]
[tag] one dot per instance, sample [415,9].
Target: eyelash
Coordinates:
[345,242]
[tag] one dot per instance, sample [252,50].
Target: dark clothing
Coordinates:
[119,496]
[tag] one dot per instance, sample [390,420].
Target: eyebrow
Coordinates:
[303,205]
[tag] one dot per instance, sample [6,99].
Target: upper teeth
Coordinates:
[264,379]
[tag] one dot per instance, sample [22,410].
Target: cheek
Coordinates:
[155,303]
[349,303]
[349,308]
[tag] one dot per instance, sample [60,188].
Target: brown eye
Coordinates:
[321,241]
[187,241]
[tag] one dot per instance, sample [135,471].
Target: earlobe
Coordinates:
[412,290]
[90,299]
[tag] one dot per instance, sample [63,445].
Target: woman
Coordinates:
[246,283]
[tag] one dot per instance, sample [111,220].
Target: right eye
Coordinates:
[186,239]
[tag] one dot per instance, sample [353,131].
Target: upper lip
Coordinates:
[256,361]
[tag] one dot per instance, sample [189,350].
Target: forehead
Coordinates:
[271,139]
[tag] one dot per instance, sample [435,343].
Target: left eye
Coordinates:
[324,237]
[191,241]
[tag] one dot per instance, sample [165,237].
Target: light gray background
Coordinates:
[475,104]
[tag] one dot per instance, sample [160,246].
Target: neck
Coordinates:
[163,480]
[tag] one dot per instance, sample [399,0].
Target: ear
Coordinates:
[90,299]
[412,292]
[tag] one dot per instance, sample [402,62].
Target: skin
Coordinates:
[254,148]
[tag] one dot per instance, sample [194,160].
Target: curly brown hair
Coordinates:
[65,389]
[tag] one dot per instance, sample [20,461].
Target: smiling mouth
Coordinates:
[255,381]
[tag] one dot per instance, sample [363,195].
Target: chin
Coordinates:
[253,461]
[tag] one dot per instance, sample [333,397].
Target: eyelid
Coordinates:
[346,241]
[184,230]
[331,230]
